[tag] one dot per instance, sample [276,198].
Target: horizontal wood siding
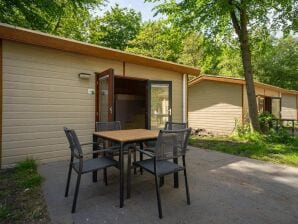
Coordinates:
[159,74]
[289,107]
[214,106]
[42,93]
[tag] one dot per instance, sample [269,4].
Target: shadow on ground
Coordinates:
[224,189]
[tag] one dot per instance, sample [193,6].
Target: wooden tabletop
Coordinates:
[128,135]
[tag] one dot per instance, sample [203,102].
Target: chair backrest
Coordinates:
[171,143]
[175,126]
[74,143]
[108,126]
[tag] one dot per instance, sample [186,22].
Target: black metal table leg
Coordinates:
[128,183]
[176,178]
[141,156]
[121,175]
[94,173]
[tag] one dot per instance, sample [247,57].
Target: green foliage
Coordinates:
[26,174]
[253,145]
[266,117]
[243,132]
[157,39]
[276,62]
[280,136]
[28,164]
[213,17]
[21,198]
[116,28]
[5,212]
[44,15]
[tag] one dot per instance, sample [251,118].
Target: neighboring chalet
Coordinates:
[215,103]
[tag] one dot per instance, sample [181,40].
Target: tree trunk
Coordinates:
[250,88]
[241,30]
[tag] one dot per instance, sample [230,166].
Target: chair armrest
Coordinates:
[146,152]
[89,143]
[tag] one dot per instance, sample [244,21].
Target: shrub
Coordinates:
[26,173]
[266,120]
[280,136]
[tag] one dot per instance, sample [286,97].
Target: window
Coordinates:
[269,104]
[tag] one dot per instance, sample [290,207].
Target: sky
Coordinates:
[138,5]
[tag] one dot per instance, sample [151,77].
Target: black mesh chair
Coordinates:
[81,166]
[168,126]
[171,144]
[112,126]
[175,126]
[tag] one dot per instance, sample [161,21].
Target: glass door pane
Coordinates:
[160,104]
[105,96]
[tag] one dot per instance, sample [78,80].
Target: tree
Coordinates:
[199,51]
[116,28]
[158,40]
[276,63]
[66,18]
[221,17]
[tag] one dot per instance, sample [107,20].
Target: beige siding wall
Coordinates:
[214,106]
[42,93]
[288,107]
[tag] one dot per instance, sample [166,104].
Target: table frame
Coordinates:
[121,160]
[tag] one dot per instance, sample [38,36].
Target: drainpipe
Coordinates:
[184,100]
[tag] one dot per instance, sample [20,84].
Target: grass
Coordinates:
[274,148]
[21,198]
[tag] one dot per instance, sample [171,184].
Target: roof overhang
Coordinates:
[13,33]
[238,81]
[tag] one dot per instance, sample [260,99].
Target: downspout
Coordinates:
[184,99]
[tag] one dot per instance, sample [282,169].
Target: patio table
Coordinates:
[124,137]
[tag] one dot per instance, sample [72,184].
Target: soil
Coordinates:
[19,205]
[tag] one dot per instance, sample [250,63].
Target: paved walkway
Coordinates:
[224,189]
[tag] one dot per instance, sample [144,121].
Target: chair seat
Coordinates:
[163,167]
[95,164]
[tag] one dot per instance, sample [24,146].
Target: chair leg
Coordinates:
[128,184]
[76,193]
[186,182]
[141,157]
[105,176]
[158,197]
[68,178]
[161,181]
[135,160]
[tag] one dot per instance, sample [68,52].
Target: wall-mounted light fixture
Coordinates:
[83,75]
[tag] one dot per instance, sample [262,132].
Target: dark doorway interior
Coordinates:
[130,102]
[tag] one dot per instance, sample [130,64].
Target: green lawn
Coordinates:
[21,198]
[260,147]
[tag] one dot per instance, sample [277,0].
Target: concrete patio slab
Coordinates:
[223,188]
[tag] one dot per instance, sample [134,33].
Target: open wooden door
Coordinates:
[104,95]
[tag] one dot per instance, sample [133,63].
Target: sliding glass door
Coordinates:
[159,103]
